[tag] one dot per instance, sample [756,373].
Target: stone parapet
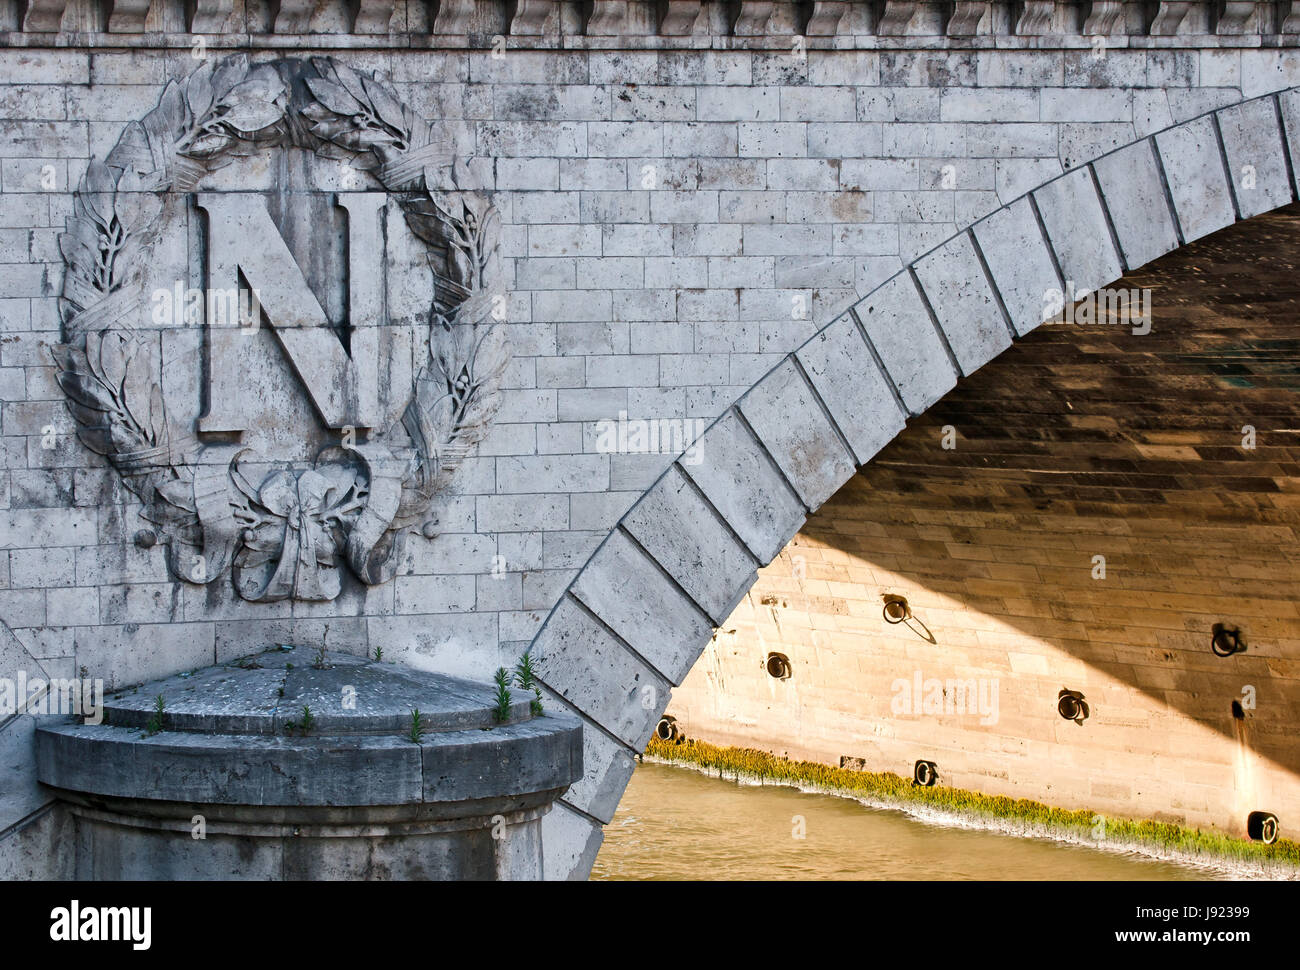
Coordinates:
[634,24]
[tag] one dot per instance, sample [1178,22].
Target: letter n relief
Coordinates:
[245,243]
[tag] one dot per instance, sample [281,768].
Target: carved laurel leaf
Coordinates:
[252,115]
[109,354]
[198,91]
[334,97]
[227,74]
[96,194]
[137,393]
[132,153]
[80,249]
[93,380]
[167,122]
[89,401]
[379,127]
[490,358]
[385,103]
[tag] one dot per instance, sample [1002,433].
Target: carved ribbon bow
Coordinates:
[298,532]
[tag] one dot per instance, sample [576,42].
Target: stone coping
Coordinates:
[265,694]
[228,738]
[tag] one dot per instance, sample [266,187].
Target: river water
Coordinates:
[676,823]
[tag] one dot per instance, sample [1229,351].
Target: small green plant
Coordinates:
[155,723]
[526,679]
[319,663]
[502,711]
[417,725]
[379,653]
[304,726]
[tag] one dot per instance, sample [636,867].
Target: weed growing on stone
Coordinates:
[155,723]
[502,710]
[304,726]
[526,679]
[379,653]
[417,725]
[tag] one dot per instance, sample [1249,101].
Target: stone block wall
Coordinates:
[679,214]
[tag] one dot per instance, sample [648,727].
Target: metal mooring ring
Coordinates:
[1225,642]
[896,609]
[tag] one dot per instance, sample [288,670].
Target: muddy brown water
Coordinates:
[676,823]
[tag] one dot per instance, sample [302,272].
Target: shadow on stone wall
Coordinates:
[1084,441]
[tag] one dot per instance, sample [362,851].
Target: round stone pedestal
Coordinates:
[284,766]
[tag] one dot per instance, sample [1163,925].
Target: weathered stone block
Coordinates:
[676,526]
[1197,182]
[20,795]
[856,392]
[895,318]
[1020,262]
[1288,103]
[1252,143]
[1076,227]
[784,412]
[964,302]
[572,841]
[1135,198]
[43,848]
[607,766]
[632,595]
[587,665]
[738,477]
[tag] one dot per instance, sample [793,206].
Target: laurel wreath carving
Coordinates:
[284,536]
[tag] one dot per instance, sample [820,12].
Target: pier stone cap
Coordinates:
[240,734]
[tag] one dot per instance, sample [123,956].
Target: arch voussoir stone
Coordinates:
[1019,260]
[632,594]
[854,389]
[964,303]
[788,419]
[1198,184]
[1288,103]
[642,609]
[607,765]
[740,480]
[1132,188]
[583,661]
[1078,231]
[896,321]
[1252,141]
[694,545]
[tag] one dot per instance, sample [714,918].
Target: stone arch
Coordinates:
[642,609]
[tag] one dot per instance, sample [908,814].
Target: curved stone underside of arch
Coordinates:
[642,609]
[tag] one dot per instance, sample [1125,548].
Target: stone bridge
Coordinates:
[773,232]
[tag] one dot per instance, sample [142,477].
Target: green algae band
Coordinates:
[1282,858]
